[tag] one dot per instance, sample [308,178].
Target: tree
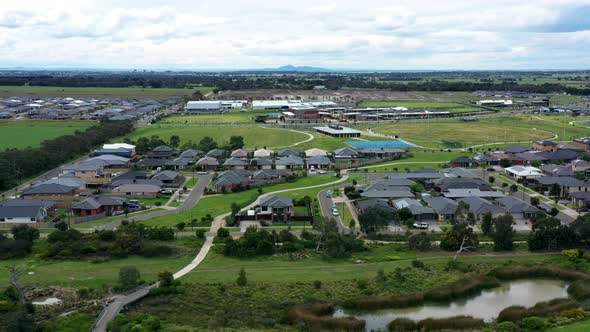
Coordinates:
[180,226]
[374,219]
[457,237]
[174,141]
[236,142]
[535,201]
[222,233]
[555,190]
[471,218]
[242,280]
[16,273]
[503,233]
[549,234]
[128,277]
[165,278]
[404,214]
[491,179]
[25,232]
[421,241]
[581,226]
[62,226]
[462,208]
[505,163]
[486,224]
[207,144]
[513,188]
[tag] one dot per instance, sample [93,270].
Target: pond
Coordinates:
[46,300]
[486,305]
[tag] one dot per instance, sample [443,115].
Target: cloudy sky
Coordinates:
[345,34]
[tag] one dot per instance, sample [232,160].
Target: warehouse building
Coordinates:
[204,106]
[338,131]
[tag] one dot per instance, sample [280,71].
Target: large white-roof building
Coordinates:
[203,106]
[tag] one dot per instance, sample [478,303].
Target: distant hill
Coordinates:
[305,69]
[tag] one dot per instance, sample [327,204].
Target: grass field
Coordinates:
[223,118]
[431,105]
[20,134]
[96,92]
[421,159]
[83,273]
[254,137]
[455,133]
[583,326]
[220,204]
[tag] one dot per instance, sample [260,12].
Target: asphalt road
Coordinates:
[326,205]
[192,200]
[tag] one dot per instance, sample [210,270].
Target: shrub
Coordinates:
[222,233]
[242,280]
[533,323]
[383,302]
[543,309]
[317,284]
[165,278]
[421,241]
[521,272]
[451,323]
[418,264]
[316,317]
[200,233]
[572,313]
[454,265]
[579,290]
[460,288]
[506,327]
[402,324]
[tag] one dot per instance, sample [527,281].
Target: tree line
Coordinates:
[18,164]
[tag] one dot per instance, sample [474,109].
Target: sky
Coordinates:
[249,34]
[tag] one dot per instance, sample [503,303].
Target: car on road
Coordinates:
[329,194]
[166,192]
[201,173]
[335,213]
[420,225]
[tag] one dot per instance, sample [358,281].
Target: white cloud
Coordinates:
[412,34]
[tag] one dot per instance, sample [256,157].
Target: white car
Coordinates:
[335,213]
[420,225]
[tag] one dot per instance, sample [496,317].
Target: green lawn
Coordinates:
[99,222]
[98,92]
[254,137]
[431,105]
[421,159]
[456,133]
[219,204]
[20,134]
[84,273]
[224,118]
[583,326]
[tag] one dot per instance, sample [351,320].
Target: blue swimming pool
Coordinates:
[380,144]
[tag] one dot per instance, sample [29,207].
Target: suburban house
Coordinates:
[345,153]
[52,192]
[581,199]
[97,170]
[263,153]
[216,153]
[242,154]
[567,184]
[479,206]
[546,146]
[519,209]
[117,149]
[258,163]
[318,162]
[229,180]
[22,214]
[151,163]
[560,155]
[464,162]
[162,152]
[207,163]
[289,162]
[235,163]
[269,175]
[381,153]
[314,152]
[390,193]
[523,172]
[137,190]
[277,208]
[170,179]
[365,204]
[97,205]
[581,166]
[179,163]
[444,208]
[583,143]
[290,152]
[487,159]
[419,211]
[515,149]
[557,170]
[191,153]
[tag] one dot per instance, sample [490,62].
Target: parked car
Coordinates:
[202,173]
[420,225]
[329,194]
[335,213]
[133,205]
[166,192]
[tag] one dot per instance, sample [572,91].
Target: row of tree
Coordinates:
[18,164]
[207,143]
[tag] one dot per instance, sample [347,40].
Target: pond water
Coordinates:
[46,300]
[486,305]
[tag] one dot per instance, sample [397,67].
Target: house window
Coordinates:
[2,219]
[33,219]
